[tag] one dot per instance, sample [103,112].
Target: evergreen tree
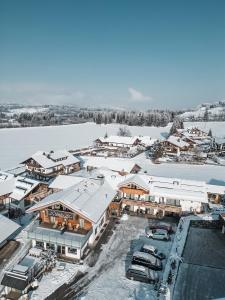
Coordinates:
[210,133]
[177,124]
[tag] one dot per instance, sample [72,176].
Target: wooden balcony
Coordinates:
[132,191]
[41,172]
[39,195]
[63,229]
[153,205]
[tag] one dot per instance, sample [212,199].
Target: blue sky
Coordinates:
[147,54]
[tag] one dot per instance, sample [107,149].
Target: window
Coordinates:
[72,250]
[102,221]
[96,230]
[81,223]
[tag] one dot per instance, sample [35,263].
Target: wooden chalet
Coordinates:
[6,187]
[117,141]
[157,195]
[219,145]
[71,220]
[174,144]
[25,193]
[45,165]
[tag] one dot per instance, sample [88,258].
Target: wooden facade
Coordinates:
[58,216]
[170,147]
[137,198]
[153,205]
[133,190]
[38,171]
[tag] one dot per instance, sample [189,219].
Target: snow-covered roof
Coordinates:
[63,182]
[89,198]
[219,141]
[177,141]
[6,183]
[116,139]
[113,178]
[114,164]
[180,189]
[147,140]
[7,228]
[22,187]
[54,158]
[173,188]
[215,189]
[139,180]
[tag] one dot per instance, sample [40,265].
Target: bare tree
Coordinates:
[124,131]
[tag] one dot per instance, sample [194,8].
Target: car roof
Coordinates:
[137,268]
[165,224]
[162,231]
[149,247]
[145,256]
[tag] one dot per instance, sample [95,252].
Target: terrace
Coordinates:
[44,172]
[153,205]
[47,233]
[62,228]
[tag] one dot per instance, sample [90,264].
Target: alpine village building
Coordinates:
[45,165]
[72,219]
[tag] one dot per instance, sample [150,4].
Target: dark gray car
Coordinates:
[146,260]
[141,273]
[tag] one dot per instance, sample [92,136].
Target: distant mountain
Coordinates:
[206,112]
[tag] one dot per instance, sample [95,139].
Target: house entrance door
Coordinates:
[61,249]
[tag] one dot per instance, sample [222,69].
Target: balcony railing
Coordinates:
[42,233]
[150,204]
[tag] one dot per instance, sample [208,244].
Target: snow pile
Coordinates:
[53,280]
[124,217]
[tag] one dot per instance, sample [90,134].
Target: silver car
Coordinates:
[158,234]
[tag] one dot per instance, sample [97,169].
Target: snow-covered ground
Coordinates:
[110,281]
[17,144]
[53,280]
[209,173]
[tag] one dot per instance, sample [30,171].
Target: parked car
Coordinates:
[162,225]
[141,273]
[158,234]
[153,251]
[146,260]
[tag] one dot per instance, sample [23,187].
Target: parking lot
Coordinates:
[202,273]
[110,280]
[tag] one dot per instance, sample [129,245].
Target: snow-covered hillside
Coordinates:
[207,111]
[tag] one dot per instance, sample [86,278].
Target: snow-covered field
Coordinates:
[17,144]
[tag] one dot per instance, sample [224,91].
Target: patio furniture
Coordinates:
[55,225]
[70,227]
